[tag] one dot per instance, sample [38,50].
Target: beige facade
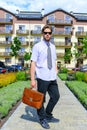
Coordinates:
[68,28]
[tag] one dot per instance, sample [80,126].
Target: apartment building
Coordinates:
[68,29]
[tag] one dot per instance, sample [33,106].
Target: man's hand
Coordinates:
[33,84]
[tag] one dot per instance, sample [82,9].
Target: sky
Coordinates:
[77,6]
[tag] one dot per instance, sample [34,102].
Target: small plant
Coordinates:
[20,75]
[80,76]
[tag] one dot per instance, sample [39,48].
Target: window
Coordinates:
[8,16]
[22,27]
[8,28]
[7,60]
[51,18]
[8,39]
[7,49]
[68,18]
[37,39]
[22,50]
[37,27]
[21,38]
[67,40]
[67,29]
[53,29]
[81,29]
[52,40]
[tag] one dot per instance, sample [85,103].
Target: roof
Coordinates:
[59,10]
[38,15]
[77,16]
[80,16]
[6,11]
[29,15]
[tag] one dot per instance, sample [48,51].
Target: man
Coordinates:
[44,69]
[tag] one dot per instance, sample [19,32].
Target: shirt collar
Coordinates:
[46,42]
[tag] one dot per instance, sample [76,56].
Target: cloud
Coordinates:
[48,5]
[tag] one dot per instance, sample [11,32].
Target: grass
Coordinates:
[10,95]
[62,76]
[79,89]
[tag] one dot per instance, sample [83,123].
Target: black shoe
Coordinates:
[52,119]
[44,124]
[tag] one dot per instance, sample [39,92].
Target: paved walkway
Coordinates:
[69,111]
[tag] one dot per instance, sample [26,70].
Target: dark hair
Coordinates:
[46,26]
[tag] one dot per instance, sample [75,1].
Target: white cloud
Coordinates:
[48,5]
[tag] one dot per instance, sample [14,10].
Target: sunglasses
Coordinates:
[47,33]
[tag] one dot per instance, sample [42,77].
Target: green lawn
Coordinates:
[78,88]
[10,95]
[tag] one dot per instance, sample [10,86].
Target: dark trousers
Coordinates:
[52,88]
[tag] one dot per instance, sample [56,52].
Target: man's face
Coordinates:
[47,34]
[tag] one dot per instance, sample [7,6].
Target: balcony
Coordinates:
[79,45]
[5,54]
[21,54]
[22,32]
[6,32]
[60,55]
[60,22]
[63,44]
[5,43]
[36,32]
[6,21]
[62,33]
[81,34]
[24,43]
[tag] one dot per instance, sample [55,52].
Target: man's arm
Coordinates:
[56,67]
[32,73]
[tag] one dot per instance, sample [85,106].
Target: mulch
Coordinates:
[2,121]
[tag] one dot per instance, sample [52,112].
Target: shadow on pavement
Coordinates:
[31,114]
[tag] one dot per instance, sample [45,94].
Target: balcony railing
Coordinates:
[5,21]
[22,32]
[35,32]
[24,43]
[5,43]
[81,34]
[60,22]
[20,53]
[60,54]
[7,54]
[62,33]
[63,44]
[4,32]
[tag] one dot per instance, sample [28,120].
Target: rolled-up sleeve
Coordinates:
[34,53]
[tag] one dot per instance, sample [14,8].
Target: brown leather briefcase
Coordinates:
[32,98]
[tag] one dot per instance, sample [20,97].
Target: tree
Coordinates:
[67,56]
[84,46]
[75,53]
[15,47]
[27,56]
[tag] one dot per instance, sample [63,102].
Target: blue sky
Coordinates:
[78,6]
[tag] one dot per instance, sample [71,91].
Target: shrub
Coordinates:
[80,76]
[63,70]
[7,78]
[85,77]
[20,75]
[71,75]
